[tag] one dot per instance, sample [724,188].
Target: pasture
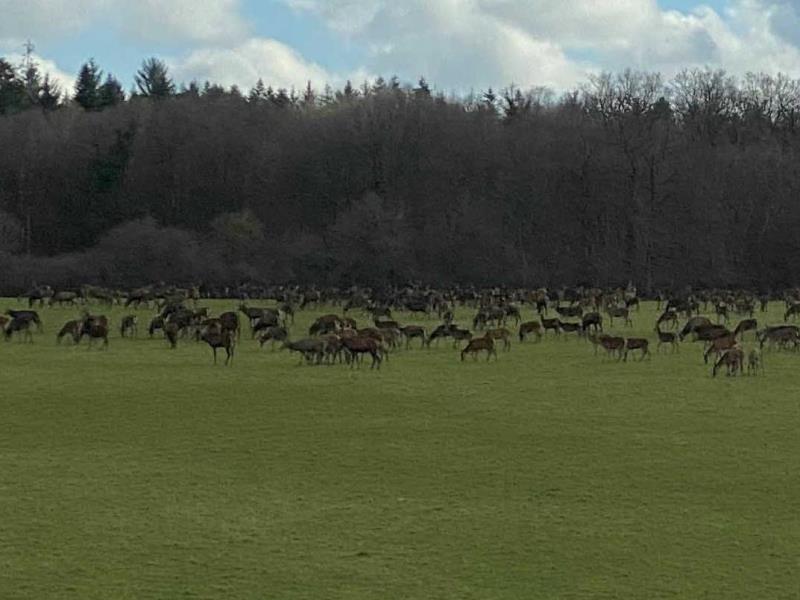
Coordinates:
[144,472]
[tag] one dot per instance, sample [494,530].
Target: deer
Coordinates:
[755,362]
[593,320]
[668,316]
[310,349]
[641,344]
[732,359]
[413,331]
[612,344]
[745,325]
[529,327]
[220,337]
[553,324]
[72,329]
[480,345]
[500,333]
[273,334]
[129,325]
[720,345]
[360,345]
[619,312]
[667,337]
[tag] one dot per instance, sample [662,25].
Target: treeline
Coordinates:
[694,181]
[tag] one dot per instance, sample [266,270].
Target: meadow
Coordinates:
[144,472]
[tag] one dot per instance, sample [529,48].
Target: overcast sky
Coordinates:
[458,45]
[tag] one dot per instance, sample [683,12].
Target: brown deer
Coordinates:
[480,345]
[72,329]
[720,345]
[633,344]
[501,333]
[529,327]
[732,359]
[359,345]
[221,338]
[96,329]
[612,344]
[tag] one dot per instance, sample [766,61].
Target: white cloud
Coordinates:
[277,64]
[464,43]
[162,20]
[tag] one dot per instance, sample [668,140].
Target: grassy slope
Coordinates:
[146,473]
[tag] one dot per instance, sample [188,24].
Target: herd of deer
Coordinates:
[333,338]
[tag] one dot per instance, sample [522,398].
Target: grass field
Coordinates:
[141,472]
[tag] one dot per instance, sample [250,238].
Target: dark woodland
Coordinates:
[693,181]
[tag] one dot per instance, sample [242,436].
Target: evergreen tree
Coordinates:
[49,94]
[12,90]
[153,79]
[111,92]
[258,93]
[87,87]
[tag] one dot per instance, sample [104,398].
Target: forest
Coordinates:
[693,180]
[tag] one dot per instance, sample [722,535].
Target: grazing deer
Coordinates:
[667,337]
[782,335]
[31,316]
[596,340]
[95,329]
[692,325]
[745,325]
[792,311]
[708,333]
[273,334]
[21,327]
[732,359]
[529,327]
[553,324]
[310,349]
[72,329]
[619,312]
[755,362]
[480,345]
[720,345]
[641,344]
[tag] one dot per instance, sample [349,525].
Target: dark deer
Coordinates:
[72,329]
[619,312]
[413,331]
[667,337]
[553,324]
[273,334]
[220,338]
[633,344]
[129,325]
[612,344]
[482,344]
[755,362]
[592,320]
[745,325]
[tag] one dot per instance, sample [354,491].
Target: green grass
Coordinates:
[142,472]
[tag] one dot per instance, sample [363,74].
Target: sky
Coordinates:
[457,45]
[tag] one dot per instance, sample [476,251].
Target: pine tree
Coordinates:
[153,79]
[258,93]
[12,90]
[111,92]
[87,87]
[49,94]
